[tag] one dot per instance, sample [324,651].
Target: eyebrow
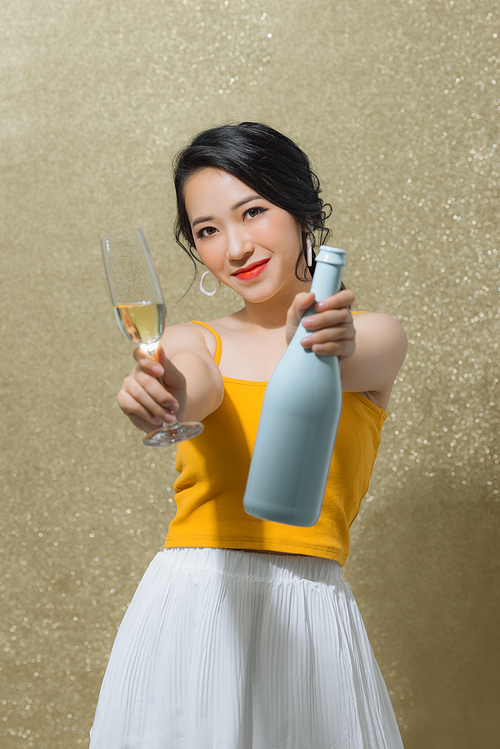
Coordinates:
[248,199]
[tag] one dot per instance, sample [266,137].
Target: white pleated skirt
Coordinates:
[224,649]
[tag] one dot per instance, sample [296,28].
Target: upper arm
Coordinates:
[381,346]
[187,348]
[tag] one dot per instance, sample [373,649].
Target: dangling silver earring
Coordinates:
[203,289]
[309,252]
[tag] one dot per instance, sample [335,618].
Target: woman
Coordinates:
[242,634]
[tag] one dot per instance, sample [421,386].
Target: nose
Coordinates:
[239,245]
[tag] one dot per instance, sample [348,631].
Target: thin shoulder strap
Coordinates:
[218,348]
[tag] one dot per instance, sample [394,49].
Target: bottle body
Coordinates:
[298,424]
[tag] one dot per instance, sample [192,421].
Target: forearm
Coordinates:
[379,352]
[204,386]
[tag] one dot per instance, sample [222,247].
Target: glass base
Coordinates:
[169,434]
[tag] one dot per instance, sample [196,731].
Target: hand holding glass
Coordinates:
[140,310]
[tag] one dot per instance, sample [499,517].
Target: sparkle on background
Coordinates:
[397,103]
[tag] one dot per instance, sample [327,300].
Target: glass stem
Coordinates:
[170,425]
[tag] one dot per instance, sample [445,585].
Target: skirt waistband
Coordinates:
[248,564]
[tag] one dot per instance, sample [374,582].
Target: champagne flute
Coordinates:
[140,310]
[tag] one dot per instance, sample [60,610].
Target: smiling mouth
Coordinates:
[251,271]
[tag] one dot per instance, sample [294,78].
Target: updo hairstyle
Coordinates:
[269,163]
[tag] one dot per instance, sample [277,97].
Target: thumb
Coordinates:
[160,356]
[171,374]
[304,300]
[300,304]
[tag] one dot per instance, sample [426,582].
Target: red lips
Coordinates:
[251,271]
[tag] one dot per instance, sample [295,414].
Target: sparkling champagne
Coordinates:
[131,275]
[142,323]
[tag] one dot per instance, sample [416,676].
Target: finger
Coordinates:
[145,426]
[150,394]
[148,362]
[161,367]
[135,410]
[171,375]
[343,298]
[343,349]
[300,304]
[329,319]
[327,335]
[303,300]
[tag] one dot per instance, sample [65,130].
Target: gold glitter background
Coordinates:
[396,101]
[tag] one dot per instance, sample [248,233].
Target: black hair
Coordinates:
[265,160]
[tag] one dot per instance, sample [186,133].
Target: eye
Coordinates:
[254,211]
[207,231]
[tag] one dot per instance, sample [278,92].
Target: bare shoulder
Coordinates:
[387,331]
[188,337]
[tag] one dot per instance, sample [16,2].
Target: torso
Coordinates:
[250,364]
[253,356]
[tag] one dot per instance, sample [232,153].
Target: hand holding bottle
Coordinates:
[330,327]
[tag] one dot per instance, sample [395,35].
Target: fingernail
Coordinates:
[169,417]
[157,370]
[307,340]
[174,407]
[320,306]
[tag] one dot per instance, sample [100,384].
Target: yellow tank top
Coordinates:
[214,466]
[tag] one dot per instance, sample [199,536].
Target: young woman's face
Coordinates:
[247,242]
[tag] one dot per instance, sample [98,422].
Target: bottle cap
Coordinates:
[331,255]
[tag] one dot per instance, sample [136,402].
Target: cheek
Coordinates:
[210,258]
[291,234]
[202,254]
[282,229]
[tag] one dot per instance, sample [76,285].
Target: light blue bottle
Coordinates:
[298,424]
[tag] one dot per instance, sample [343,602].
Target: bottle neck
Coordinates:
[327,280]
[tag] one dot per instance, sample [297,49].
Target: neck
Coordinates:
[272,313]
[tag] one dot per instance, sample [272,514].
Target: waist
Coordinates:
[267,566]
[279,553]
